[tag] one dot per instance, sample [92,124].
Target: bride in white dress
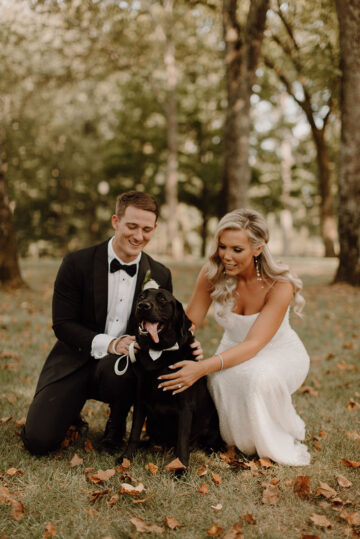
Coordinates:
[260,361]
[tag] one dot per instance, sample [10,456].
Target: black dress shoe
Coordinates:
[112,442]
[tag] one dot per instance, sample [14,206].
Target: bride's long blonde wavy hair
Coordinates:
[223,285]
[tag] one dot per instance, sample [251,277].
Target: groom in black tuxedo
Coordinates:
[93,303]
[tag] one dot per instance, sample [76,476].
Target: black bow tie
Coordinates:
[116,266]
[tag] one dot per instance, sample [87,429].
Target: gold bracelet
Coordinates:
[221,360]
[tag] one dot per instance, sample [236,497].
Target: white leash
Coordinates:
[131,356]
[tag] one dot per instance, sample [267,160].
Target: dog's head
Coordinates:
[161,320]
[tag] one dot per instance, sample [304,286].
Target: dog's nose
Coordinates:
[144,305]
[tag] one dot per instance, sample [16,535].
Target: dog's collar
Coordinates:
[155,354]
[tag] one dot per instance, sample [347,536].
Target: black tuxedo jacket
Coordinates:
[80,307]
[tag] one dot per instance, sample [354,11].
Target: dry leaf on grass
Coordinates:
[266,463]
[309,390]
[353,435]
[114,498]
[325,490]
[143,500]
[126,463]
[21,422]
[76,460]
[5,419]
[142,526]
[216,478]
[351,518]
[203,489]
[270,495]
[317,445]
[343,482]
[100,476]
[350,463]
[310,536]
[172,523]
[14,471]
[302,486]
[175,466]
[217,507]
[132,491]
[17,510]
[153,469]
[321,521]
[203,470]
[99,494]
[352,405]
[214,531]
[88,446]
[50,530]
[248,518]
[235,532]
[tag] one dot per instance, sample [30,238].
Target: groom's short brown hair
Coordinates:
[143,201]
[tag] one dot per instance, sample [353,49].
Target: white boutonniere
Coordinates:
[148,282]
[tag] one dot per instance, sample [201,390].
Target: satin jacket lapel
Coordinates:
[101,285]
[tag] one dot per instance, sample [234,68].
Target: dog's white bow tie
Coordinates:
[155,354]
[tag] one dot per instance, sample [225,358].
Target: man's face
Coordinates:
[133,232]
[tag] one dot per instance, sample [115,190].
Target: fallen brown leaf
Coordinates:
[203,489]
[266,463]
[270,495]
[14,471]
[132,491]
[353,435]
[325,490]
[352,405]
[321,521]
[99,494]
[172,523]
[142,526]
[88,446]
[317,446]
[114,498]
[50,530]
[203,470]
[153,469]
[143,500]
[350,463]
[216,478]
[21,422]
[217,507]
[126,463]
[351,518]
[17,510]
[76,461]
[249,519]
[235,532]
[343,482]
[5,419]
[309,390]
[175,465]
[101,475]
[214,531]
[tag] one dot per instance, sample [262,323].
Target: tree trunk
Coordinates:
[242,50]
[349,165]
[327,215]
[10,275]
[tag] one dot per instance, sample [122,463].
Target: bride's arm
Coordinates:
[264,328]
[200,300]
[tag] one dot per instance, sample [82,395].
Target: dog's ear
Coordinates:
[182,323]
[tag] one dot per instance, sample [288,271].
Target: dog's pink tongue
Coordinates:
[151,327]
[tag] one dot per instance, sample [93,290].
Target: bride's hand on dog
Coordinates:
[189,372]
[197,350]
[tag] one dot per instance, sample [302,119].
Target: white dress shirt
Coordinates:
[121,290]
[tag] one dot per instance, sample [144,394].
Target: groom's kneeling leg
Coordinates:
[51,413]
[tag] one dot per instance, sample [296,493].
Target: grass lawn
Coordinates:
[58,496]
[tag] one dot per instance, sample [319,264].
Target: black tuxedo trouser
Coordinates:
[58,405]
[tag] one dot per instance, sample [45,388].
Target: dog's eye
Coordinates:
[141,296]
[161,298]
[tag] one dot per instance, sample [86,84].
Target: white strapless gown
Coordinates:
[253,399]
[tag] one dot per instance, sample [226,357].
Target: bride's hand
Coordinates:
[189,372]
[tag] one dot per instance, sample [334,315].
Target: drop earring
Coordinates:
[257,268]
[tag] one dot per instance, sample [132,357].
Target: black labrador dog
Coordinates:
[183,420]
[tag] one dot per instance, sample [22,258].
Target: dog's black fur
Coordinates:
[182,420]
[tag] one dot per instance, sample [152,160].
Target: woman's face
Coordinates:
[236,252]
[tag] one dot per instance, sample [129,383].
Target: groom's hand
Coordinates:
[121,345]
